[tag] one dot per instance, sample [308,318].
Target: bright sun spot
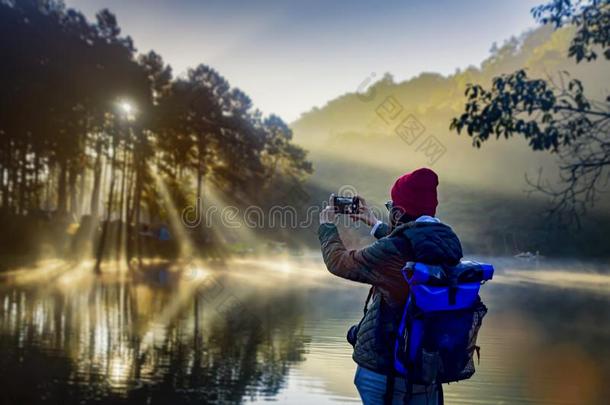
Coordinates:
[197,273]
[285,267]
[126,107]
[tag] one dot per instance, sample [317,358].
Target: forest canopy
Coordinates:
[90,127]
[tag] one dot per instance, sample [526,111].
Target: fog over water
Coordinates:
[259,329]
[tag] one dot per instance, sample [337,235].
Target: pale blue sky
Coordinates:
[290,56]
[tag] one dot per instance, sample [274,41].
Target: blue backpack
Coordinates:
[437,335]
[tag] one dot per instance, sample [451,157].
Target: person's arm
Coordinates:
[364,265]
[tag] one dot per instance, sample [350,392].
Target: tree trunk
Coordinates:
[61,188]
[22,180]
[199,164]
[81,193]
[121,229]
[5,174]
[102,241]
[2,187]
[201,171]
[97,175]
[36,178]
[129,210]
[14,164]
[72,176]
[137,210]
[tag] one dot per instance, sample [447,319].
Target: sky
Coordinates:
[290,56]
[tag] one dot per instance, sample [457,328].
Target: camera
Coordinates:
[346,205]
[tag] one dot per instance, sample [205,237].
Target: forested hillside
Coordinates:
[368,137]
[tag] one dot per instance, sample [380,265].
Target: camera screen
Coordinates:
[345,205]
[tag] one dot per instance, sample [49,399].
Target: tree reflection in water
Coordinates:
[111,340]
[275,329]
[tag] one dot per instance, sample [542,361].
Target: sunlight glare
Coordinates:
[126,107]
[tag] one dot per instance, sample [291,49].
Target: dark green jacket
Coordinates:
[379,265]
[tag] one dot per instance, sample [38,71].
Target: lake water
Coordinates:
[273,330]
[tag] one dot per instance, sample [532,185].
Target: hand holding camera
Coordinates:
[364,213]
[356,207]
[327,215]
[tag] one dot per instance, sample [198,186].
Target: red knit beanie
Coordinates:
[415,192]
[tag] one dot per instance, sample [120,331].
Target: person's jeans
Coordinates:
[372,386]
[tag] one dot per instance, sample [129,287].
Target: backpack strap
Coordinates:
[402,243]
[408,393]
[441,396]
[389,390]
[368,298]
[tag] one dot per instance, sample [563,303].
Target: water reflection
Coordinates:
[259,330]
[113,338]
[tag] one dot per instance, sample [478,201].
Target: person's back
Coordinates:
[414,235]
